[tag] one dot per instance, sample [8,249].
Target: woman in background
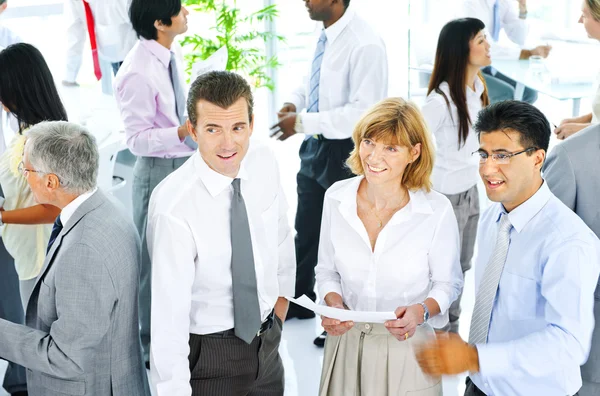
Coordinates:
[590,18]
[27,91]
[456,93]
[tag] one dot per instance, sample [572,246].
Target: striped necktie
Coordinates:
[315,75]
[486,295]
[496,27]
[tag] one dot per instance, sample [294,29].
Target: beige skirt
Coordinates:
[369,361]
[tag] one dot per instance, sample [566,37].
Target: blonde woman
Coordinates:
[590,18]
[27,91]
[388,243]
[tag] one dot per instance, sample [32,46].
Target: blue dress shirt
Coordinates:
[542,319]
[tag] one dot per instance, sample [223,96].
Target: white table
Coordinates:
[527,76]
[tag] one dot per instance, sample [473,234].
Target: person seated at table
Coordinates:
[498,15]
[456,93]
[388,243]
[590,18]
[27,91]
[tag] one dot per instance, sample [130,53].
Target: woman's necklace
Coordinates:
[379,221]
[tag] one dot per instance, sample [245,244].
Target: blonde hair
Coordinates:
[594,8]
[398,122]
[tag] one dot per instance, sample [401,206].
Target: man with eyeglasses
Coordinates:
[536,269]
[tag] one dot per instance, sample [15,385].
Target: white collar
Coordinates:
[215,182]
[69,210]
[334,31]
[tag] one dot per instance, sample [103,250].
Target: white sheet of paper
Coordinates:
[343,314]
[217,61]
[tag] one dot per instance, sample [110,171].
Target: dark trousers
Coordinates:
[322,164]
[223,365]
[11,309]
[501,87]
[473,390]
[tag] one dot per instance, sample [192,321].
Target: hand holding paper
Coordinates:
[343,315]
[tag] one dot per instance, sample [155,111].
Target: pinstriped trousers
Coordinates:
[223,365]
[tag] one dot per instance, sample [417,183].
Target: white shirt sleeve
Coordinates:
[434,111]
[516,28]
[327,276]
[173,250]
[368,82]
[444,265]
[298,97]
[286,272]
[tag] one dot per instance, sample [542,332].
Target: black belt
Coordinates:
[264,327]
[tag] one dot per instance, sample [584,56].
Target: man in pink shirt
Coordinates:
[150,95]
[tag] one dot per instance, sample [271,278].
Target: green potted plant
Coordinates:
[239,34]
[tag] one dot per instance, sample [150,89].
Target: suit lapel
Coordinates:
[86,207]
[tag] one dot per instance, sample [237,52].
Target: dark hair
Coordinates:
[27,88]
[221,88]
[346,3]
[451,60]
[521,117]
[143,14]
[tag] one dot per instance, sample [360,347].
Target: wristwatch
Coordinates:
[425,312]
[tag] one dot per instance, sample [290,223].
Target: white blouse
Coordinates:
[456,169]
[25,243]
[416,254]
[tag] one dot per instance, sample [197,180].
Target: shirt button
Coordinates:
[367,326]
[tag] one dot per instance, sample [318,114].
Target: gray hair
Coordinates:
[67,150]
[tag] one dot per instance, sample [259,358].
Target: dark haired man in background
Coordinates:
[151,97]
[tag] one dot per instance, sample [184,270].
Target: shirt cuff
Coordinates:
[171,137]
[441,298]
[494,359]
[330,287]
[287,285]
[299,127]
[310,123]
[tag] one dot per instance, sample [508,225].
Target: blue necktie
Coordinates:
[179,99]
[496,27]
[315,75]
[56,229]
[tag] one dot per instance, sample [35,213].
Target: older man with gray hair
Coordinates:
[82,331]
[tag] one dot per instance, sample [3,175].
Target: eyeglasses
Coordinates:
[24,170]
[499,158]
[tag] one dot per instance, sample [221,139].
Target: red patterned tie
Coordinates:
[92,32]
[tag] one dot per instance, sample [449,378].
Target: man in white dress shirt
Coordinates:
[498,15]
[114,34]
[222,255]
[348,74]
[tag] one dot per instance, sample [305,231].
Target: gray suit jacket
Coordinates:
[82,333]
[572,171]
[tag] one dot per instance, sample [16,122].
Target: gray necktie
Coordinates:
[246,309]
[486,295]
[179,99]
